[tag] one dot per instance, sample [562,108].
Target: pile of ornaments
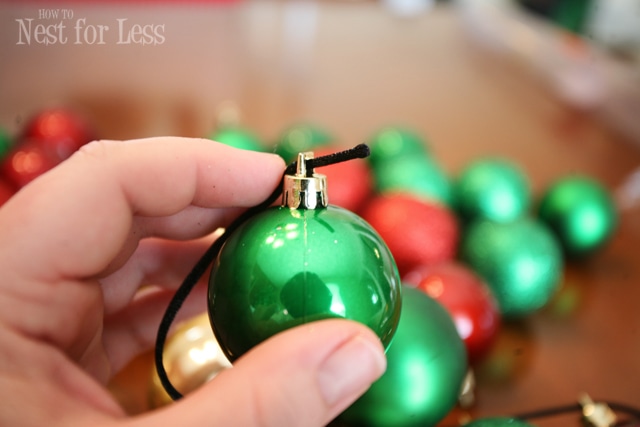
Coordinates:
[472,250]
[47,139]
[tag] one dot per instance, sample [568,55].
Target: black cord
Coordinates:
[576,407]
[358,152]
[621,407]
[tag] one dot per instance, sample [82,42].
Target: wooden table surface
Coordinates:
[352,67]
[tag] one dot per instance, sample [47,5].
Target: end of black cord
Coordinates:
[362,151]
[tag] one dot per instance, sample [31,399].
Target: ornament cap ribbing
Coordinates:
[305,189]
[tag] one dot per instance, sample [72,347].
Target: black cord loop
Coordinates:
[359,151]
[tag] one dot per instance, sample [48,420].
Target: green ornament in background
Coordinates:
[300,262]
[498,422]
[419,175]
[237,137]
[392,143]
[493,189]
[581,213]
[521,261]
[5,143]
[426,365]
[299,138]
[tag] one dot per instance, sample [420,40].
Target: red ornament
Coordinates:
[467,299]
[26,162]
[417,231]
[352,181]
[61,132]
[6,191]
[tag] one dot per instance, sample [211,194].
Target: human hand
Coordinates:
[79,243]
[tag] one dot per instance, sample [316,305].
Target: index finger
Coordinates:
[73,220]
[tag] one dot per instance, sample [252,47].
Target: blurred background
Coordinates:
[279,61]
[551,85]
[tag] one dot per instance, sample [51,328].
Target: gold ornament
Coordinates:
[192,357]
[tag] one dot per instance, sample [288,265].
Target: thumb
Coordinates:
[302,377]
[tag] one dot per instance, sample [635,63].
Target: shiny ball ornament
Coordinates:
[416,230]
[192,357]
[581,213]
[467,299]
[301,262]
[419,175]
[521,261]
[426,365]
[59,131]
[301,137]
[393,142]
[355,182]
[492,189]
[498,422]
[27,161]
[238,138]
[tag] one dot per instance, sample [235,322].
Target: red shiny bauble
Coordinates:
[351,182]
[60,131]
[26,162]
[6,191]
[418,231]
[467,299]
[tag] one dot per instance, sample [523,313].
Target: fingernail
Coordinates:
[351,369]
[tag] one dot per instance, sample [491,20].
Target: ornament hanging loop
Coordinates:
[305,189]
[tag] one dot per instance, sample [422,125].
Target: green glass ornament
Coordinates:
[493,189]
[426,365]
[5,143]
[301,262]
[573,15]
[417,175]
[299,138]
[581,212]
[237,137]
[498,422]
[521,261]
[394,142]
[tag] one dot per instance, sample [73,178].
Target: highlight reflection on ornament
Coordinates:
[494,189]
[26,162]
[521,261]
[192,357]
[581,212]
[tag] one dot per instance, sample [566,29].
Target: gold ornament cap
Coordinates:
[305,189]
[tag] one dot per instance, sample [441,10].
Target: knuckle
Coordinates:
[98,149]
